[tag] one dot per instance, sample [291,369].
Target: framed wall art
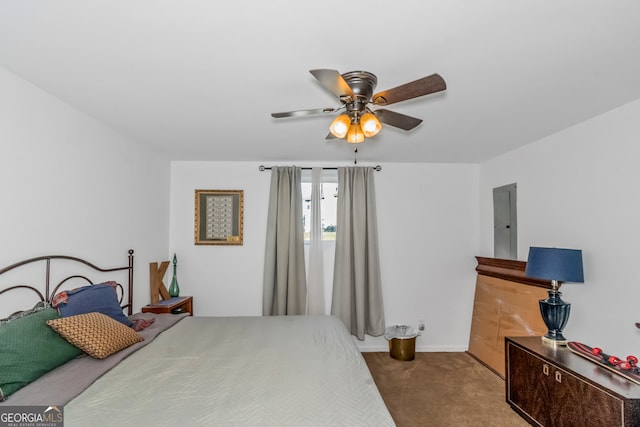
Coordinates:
[219,217]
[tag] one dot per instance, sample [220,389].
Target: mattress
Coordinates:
[240,371]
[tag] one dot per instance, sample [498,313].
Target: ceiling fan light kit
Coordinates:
[355,91]
[355,128]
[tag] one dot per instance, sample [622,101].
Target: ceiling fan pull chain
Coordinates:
[355,158]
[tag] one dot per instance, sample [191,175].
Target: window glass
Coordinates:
[328,209]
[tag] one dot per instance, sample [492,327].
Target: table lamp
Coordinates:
[557,265]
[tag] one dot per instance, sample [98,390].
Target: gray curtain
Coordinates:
[285,287]
[357,288]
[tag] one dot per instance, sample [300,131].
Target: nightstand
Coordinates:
[171,306]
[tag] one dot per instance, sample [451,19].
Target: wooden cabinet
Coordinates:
[550,386]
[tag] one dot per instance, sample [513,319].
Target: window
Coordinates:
[328,209]
[328,204]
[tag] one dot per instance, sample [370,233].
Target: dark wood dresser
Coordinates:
[551,386]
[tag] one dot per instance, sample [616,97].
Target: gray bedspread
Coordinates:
[241,371]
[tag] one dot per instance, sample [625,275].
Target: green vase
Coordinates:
[174,289]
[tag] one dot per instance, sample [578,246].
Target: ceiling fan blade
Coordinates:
[299,113]
[424,86]
[333,81]
[330,136]
[398,120]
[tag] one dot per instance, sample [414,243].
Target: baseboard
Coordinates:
[442,348]
[375,347]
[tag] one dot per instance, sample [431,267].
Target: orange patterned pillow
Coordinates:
[96,334]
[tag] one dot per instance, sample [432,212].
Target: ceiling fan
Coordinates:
[355,91]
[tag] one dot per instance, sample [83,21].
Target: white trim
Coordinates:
[373,347]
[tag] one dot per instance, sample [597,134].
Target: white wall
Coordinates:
[428,225]
[224,280]
[72,186]
[579,189]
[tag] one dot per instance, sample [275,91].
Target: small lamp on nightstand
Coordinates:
[557,265]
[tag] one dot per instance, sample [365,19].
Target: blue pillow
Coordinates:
[101,298]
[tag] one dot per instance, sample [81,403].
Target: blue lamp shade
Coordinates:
[563,265]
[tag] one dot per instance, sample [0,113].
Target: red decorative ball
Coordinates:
[614,360]
[597,351]
[632,360]
[625,366]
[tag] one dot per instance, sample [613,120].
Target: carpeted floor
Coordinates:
[441,389]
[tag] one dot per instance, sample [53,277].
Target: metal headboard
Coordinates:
[50,293]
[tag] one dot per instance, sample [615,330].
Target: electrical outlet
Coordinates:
[421,325]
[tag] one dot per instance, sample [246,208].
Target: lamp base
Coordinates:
[555,313]
[554,341]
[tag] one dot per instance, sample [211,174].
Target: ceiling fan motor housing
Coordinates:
[362,83]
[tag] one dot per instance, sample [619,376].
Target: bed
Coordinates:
[197,371]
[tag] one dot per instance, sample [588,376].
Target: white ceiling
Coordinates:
[199,78]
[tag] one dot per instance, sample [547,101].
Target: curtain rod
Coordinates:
[262,168]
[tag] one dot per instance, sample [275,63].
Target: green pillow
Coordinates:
[29,348]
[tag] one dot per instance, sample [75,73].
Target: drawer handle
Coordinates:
[545,369]
[558,376]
